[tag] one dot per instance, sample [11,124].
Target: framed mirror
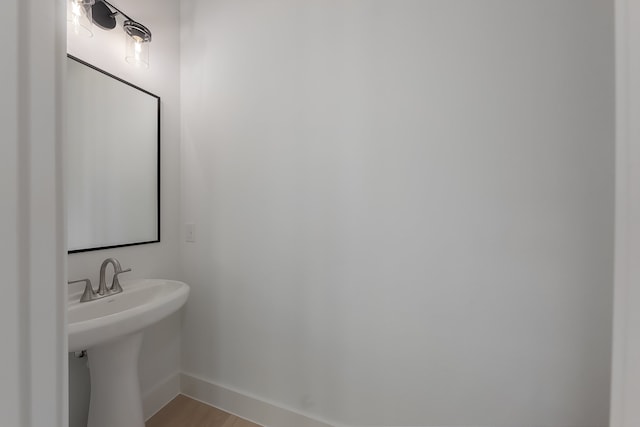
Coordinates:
[112,161]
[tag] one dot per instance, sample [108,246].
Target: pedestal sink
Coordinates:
[111,329]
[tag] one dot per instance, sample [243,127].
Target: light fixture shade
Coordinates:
[138,38]
[79,18]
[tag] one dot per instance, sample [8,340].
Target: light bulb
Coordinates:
[76,13]
[137,49]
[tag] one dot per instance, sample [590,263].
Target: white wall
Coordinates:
[404,210]
[10,308]
[160,355]
[33,383]
[625,395]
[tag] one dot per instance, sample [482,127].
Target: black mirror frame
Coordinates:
[157,166]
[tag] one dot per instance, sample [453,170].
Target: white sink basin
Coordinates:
[111,329]
[142,303]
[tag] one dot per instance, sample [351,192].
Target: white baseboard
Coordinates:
[162,393]
[248,407]
[257,410]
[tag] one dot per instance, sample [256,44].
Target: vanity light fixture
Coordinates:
[103,14]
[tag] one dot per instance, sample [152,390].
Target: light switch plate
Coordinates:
[190,232]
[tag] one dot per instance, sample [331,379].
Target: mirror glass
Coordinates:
[112,161]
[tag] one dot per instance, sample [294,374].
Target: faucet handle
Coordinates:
[115,284]
[88,294]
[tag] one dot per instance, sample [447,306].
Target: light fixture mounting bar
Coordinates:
[117,10]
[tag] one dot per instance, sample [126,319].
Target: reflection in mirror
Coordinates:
[112,161]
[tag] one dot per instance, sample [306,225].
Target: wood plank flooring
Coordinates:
[186,412]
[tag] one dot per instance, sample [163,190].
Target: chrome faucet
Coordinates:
[89,294]
[115,287]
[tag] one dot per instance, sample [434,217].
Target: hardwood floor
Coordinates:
[186,412]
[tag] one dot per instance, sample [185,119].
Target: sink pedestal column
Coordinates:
[115,388]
